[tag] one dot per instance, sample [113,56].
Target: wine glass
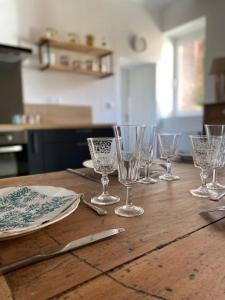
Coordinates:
[169,144]
[147,153]
[215,130]
[103,155]
[129,140]
[206,151]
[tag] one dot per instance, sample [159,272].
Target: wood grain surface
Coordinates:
[155,255]
[60,114]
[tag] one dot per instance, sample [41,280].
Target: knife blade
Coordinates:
[217,208]
[86,176]
[84,241]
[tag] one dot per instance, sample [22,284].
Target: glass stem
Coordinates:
[214,176]
[168,166]
[204,176]
[105,183]
[128,198]
[147,170]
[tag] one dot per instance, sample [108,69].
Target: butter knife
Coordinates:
[86,176]
[60,250]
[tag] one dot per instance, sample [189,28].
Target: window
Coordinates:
[189,50]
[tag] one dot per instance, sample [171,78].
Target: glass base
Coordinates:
[147,180]
[129,211]
[169,177]
[215,186]
[201,192]
[105,199]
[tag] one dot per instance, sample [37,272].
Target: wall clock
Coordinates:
[138,43]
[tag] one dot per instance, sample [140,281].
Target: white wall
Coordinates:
[25,20]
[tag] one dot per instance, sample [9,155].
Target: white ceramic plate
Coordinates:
[88,164]
[29,208]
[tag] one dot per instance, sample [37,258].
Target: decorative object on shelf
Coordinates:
[218,70]
[51,33]
[90,39]
[73,37]
[104,43]
[64,60]
[138,43]
[102,56]
[77,64]
[89,64]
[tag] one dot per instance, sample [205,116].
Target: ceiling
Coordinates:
[159,3]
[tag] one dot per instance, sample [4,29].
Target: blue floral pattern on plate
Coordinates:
[28,206]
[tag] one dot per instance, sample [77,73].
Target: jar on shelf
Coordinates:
[64,60]
[73,37]
[90,39]
[77,64]
[51,33]
[89,65]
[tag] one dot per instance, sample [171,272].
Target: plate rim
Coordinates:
[10,234]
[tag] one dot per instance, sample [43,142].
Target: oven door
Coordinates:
[12,160]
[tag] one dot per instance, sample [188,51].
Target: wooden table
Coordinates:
[170,252]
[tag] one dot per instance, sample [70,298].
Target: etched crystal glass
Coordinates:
[147,153]
[169,145]
[216,130]
[206,152]
[103,155]
[129,140]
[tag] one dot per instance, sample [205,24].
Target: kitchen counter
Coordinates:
[44,126]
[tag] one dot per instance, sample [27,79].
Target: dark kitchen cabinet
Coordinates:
[58,149]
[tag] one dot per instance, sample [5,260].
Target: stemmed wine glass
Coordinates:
[216,130]
[169,145]
[103,155]
[147,153]
[129,140]
[206,151]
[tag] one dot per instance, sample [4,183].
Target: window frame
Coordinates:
[177,41]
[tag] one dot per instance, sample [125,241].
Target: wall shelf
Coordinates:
[99,53]
[75,71]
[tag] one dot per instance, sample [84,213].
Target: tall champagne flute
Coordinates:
[216,130]
[129,139]
[103,155]
[206,151]
[147,153]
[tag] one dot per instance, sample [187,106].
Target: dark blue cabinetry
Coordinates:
[58,149]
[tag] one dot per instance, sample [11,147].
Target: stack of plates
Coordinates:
[29,208]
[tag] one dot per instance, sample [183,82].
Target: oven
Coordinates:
[13,154]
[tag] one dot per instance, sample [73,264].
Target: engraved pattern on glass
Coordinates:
[169,145]
[129,139]
[103,155]
[206,152]
[216,130]
[147,153]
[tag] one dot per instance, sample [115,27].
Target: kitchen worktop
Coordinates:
[14,127]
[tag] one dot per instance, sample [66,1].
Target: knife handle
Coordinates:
[22,263]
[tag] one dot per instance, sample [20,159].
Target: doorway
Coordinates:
[138,92]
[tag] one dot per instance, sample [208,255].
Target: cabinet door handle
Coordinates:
[11,149]
[34,143]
